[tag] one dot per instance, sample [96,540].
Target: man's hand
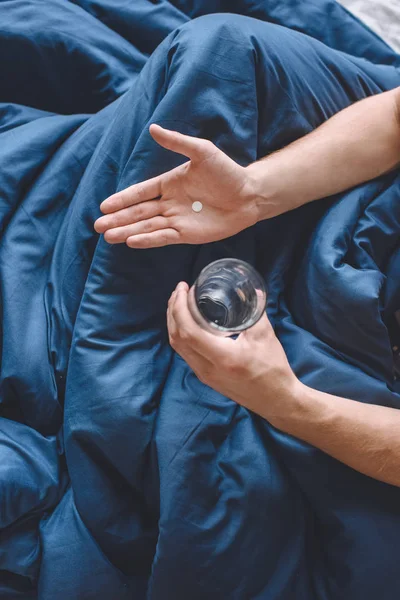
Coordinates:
[252,370]
[158,212]
[359,143]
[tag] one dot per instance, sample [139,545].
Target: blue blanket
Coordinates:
[121,475]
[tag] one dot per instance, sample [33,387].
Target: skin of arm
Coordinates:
[253,371]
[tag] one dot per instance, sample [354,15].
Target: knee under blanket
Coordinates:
[121,475]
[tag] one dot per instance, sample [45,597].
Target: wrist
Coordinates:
[294,410]
[308,412]
[258,191]
[273,187]
[283,403]
[269,188]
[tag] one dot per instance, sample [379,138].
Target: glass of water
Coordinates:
[227,297]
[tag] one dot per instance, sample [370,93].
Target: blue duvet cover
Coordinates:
[121,475]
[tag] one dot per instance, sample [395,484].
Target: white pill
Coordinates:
[197,206]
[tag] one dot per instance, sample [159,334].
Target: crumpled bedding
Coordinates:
[122,476]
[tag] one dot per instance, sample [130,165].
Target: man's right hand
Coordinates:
[158,212]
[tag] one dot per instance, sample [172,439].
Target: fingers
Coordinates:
[200,365]
[156,239]
[192,147]
[128,216]
[140,192]
[171,325]
[189,334]
[121,234]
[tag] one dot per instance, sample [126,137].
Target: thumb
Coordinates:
[192,147]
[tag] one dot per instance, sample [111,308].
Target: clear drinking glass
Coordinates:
[227,297]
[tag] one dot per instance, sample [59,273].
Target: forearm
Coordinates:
[363,436]
[356,145]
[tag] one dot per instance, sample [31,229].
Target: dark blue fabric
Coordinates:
[122,476]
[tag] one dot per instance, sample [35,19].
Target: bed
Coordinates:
[121,475]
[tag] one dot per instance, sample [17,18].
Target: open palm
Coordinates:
[159,212]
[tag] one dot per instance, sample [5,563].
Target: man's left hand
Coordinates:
[252,369]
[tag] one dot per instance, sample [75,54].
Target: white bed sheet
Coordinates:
[382,16]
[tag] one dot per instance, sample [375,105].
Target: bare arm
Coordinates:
[253,371]
[358,144]
[366,437]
